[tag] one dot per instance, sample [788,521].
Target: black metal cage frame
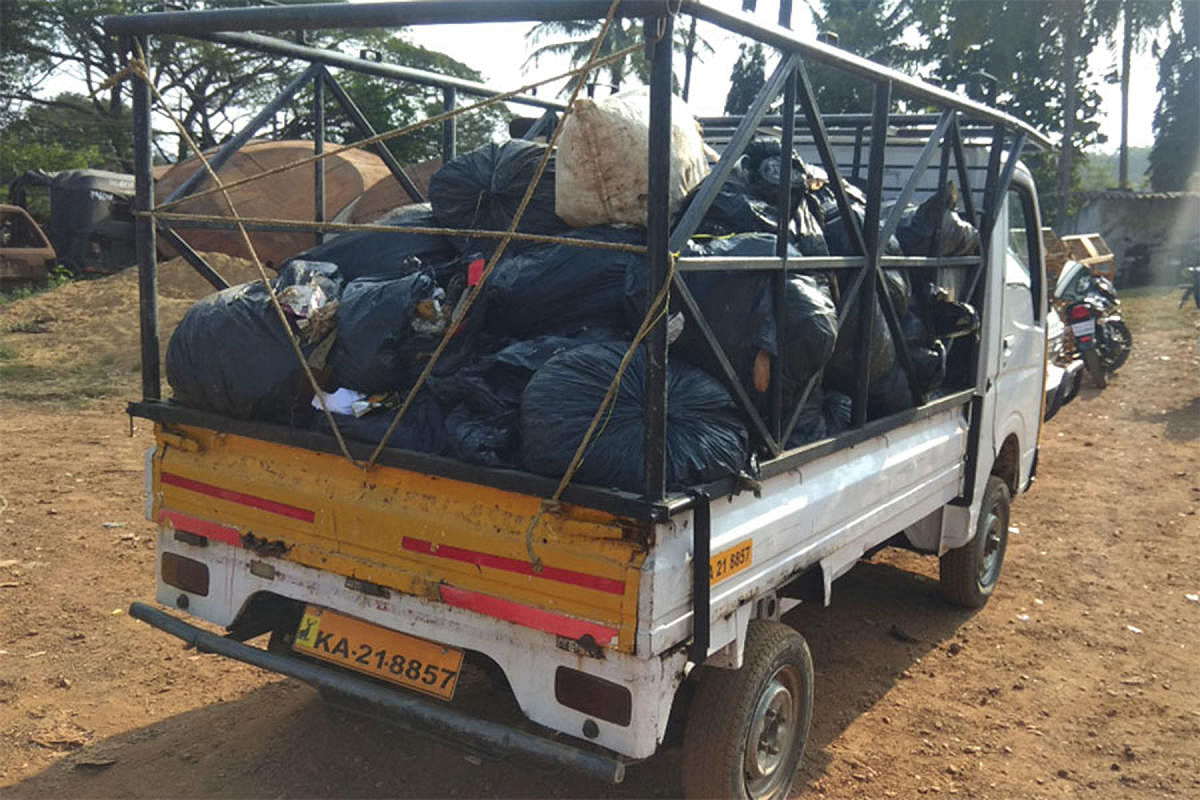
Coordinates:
[789,97]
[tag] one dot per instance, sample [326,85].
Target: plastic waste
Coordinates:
[550,288]
[378,347]
[936,223]
[231,354]
[705,437]
[483,189]
[360,254]
[809,333]
[421,429]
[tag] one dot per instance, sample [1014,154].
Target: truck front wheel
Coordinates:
[746,730]
[969,574]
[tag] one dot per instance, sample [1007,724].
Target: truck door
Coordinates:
[1021,367]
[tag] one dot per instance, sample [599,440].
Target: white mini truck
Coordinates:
[622,621]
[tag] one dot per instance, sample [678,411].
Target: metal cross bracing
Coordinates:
[794,118]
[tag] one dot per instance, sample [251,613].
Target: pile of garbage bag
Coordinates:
[526,367]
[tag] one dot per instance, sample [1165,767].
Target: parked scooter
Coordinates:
[1092,311]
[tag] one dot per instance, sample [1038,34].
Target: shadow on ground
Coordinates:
[281,740]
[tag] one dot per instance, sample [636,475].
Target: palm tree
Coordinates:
[1140,20]
[574,39]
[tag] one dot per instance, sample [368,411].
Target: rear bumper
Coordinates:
[407,710]
[1059,393]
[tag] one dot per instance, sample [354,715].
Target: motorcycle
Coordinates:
[1092,312]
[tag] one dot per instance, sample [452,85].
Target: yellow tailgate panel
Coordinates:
[405,530]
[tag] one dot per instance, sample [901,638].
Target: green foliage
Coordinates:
[749,75]
[64,133]
[1175,159]
[387,105]
[623,33]
[874,29]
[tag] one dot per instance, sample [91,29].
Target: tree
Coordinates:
[873,29]
[1139,20]
[1038,53]
[749,75]
[1174,159]
[388,104]
[624,32]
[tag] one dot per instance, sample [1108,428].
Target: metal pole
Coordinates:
[192,257]
[658,258]
[874,247]
[360,121]
[331,58]
[782,237]
[450,126]
[318,113]
[143,161]
[244,135]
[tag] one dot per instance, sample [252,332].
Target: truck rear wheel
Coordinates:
[969,574]
[746,730]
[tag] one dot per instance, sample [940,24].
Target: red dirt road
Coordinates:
[1081,678]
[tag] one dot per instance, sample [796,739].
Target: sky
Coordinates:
[498,51]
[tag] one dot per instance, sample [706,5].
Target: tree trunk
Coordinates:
[1126,57]
[1072,20]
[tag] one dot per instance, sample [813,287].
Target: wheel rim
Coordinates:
[1116,346]
[774,730]
[993,545]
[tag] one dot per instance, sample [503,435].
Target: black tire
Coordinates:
[968,575]
[1091,360]
[767,705]
[1118,341]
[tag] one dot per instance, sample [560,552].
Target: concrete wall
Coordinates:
[1151,235]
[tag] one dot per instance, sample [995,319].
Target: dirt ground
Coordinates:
[1081,677]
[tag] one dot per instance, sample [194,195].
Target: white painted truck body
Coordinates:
[824,514]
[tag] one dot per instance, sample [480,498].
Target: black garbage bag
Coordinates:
[890,394]
[421,429]
[809,332]
[840,373]
[364,253]
[937,219]
[231,354]
[486,396]
[734,210]
[553,288]
[838,238]
[705,437]
[490,440]
[377,348]
[812,425]
[748,200]
[737,305]
[929,362]
[483,189]
[838,409]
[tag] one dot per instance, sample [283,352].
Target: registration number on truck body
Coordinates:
[730,562]
[381,653]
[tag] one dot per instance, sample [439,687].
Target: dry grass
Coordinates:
[81,341]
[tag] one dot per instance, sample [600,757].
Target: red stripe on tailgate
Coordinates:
[282,509]
[527,616]
[201,527]
[514,565]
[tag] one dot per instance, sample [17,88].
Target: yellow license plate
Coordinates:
[730,562]
[393,656]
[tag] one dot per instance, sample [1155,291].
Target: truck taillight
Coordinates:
[594,696]
[185,573]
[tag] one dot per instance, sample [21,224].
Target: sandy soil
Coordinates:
[1081,678]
